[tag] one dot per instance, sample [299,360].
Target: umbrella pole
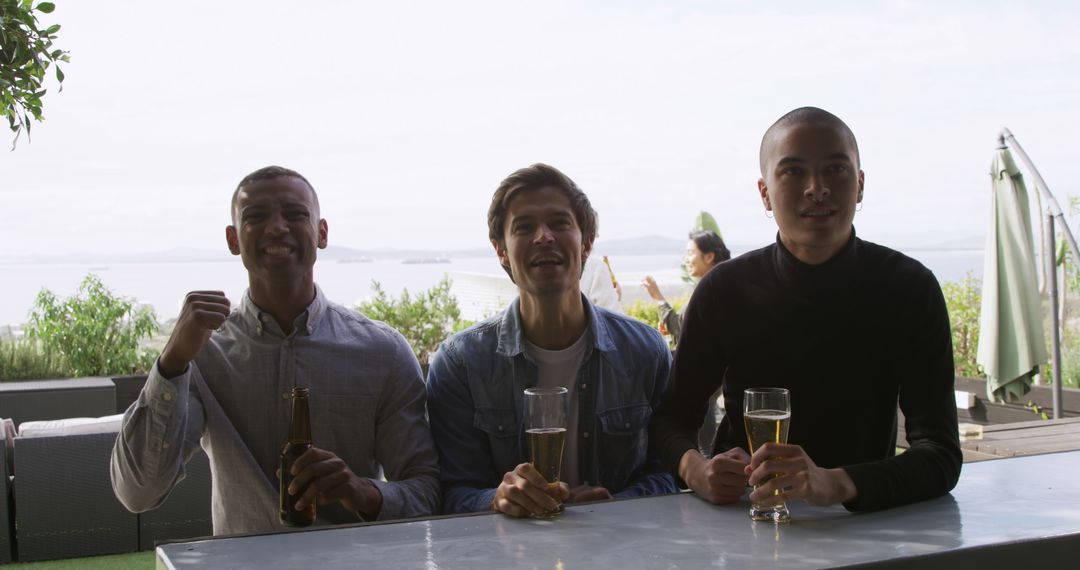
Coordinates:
[1054,212]
[1040,184]
[1054,318]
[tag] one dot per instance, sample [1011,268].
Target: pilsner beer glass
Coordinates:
[766,416]
[545,428]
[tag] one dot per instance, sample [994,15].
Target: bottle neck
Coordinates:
[300,427]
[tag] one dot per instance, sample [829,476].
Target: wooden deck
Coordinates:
[1023,438]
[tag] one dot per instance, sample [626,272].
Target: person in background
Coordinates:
[542,227]
[703,252]
[224,379]
[599,284]
[850,328]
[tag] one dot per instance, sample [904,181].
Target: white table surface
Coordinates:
[1001,501]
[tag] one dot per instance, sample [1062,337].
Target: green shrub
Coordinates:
[24,359]
[964,301]
[648,312]
[424,320]
[95,332]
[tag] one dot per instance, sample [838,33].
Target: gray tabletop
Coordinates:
[1030,500]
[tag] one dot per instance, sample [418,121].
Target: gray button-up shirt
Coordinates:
[367,407]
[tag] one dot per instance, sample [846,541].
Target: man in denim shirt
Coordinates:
[542,227]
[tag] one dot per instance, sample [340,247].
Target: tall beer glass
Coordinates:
[545,428]
[766,416]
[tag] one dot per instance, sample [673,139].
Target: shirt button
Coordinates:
[167,397]
[585,435]
[626,425]
[258,329]
[165,445]
[500,428]
[285,395]
[583,386]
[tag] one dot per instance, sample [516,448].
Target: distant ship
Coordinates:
[439,259]
[361,259]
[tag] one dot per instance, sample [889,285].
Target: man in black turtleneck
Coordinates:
[851,328]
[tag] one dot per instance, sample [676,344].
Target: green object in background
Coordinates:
[705,221]
[1012,344]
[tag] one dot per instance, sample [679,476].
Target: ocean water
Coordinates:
[163,285]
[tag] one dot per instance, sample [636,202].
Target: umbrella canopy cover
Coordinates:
[1012,343]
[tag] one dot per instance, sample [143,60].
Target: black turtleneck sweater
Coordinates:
[849,338]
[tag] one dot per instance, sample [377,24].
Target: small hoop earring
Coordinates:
[858,208]
[768,214]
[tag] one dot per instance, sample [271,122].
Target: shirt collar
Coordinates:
[261,321]
[512,339]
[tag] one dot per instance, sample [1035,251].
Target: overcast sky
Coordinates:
[406,115]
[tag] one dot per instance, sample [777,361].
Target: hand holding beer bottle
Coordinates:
[298,443]
[310,476]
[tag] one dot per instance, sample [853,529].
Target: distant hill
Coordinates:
[644,245]
[649,245]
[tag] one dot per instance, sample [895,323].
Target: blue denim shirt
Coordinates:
[476,390]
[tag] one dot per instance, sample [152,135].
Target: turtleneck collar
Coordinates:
[835,275]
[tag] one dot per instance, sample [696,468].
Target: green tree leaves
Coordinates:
[964,301]
[26,53]
[425,320]
[94,331]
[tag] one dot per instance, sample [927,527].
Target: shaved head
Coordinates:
[802,116]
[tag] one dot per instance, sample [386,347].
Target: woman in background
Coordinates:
[703,252]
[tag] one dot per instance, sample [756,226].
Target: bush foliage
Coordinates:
[964,301]
[425,320]
[26,359]
[93,332]
[648,312]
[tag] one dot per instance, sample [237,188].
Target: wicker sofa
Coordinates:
[64,504]
[7,525]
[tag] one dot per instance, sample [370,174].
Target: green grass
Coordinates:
[134,561]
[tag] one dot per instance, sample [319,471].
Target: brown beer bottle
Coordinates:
[299,441]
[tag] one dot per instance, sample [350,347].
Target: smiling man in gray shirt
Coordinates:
[223,382]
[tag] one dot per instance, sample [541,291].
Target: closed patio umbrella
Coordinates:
[1012,344]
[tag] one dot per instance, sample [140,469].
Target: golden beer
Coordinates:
[546,451]
[766,426]
[545,430]
[767,417]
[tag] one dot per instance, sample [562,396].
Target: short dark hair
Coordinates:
[533,178]
[805,115]
[268,173]
[708,242]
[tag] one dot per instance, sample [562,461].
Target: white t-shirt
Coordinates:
[559,368]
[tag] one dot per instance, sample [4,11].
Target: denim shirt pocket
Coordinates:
[501,427]
[623,442]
